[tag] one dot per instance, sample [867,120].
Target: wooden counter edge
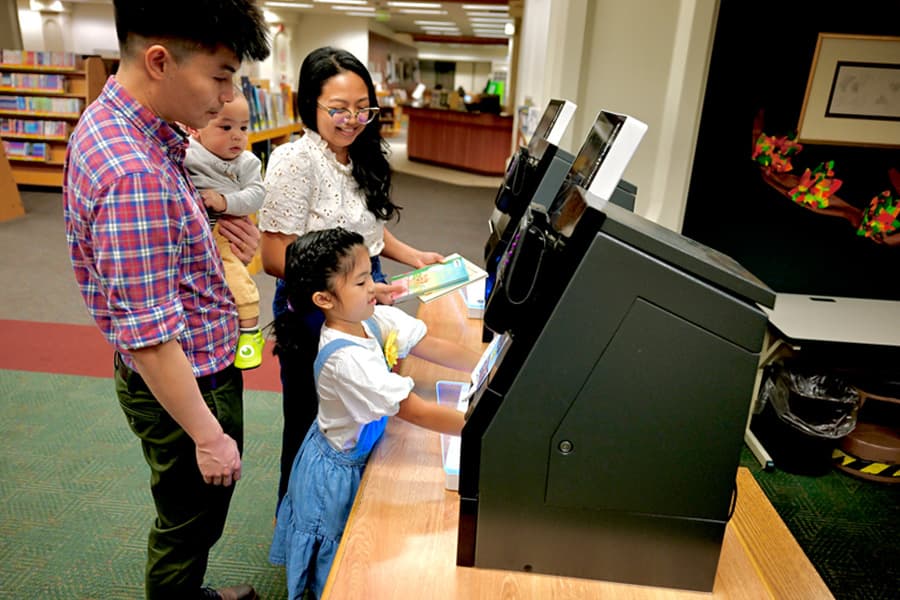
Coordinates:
[777,556]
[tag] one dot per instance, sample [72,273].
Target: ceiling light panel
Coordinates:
[414,4]
[490,21]
[490,7]
[421,11]
[475,15]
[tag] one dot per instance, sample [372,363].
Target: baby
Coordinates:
[229,178]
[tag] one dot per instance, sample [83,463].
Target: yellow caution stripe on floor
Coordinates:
[869,467]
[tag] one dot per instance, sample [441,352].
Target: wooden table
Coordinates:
[400,541]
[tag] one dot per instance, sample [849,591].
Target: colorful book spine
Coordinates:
[38,58]
[38,151]
[430,278]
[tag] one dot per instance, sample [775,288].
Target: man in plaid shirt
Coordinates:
[151,276]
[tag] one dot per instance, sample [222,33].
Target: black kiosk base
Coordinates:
[606,442]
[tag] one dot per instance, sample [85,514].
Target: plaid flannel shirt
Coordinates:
[140,244]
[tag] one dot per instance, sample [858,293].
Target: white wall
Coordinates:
[31,27]
[314,31]
[84,28]
[550,57]
[93,29]
[645,58]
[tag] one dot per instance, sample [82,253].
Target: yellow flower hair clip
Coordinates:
[390,349]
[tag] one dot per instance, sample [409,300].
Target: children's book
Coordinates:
[433,281]
[430,278]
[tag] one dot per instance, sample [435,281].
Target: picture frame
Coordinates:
[853,92]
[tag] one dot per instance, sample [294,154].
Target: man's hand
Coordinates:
[243,235]
[214,200]
[219,460]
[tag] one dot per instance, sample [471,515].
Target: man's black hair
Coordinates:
[235,24]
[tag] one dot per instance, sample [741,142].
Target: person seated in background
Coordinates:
[229,179]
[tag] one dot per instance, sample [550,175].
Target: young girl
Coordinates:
[360,342]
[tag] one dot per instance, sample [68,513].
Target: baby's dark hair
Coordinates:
[311,264]
[238,25]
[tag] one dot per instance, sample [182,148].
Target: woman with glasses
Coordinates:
[336,175]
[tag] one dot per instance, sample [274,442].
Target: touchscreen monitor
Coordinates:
[552,125]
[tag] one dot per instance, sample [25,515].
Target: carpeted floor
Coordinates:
[74,501]
[74,506]
[848,527]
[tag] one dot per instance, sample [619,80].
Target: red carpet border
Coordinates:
[82,350]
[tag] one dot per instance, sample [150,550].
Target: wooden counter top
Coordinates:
[400,541]
[476,142]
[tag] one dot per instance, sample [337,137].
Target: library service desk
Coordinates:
[400,540]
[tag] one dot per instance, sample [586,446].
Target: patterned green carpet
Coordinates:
[74,504]
[74,498]
[848,527]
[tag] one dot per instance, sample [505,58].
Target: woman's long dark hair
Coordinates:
[311,263]
[369,151]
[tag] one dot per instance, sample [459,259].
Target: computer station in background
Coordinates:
[605,441]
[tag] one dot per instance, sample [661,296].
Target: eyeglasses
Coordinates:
[340,116]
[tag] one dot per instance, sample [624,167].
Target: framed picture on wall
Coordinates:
[853,92]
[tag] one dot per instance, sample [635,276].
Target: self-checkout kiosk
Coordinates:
[605,441]
[534,175]
[542,159]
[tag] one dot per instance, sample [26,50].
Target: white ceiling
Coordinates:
[474,21]
[440,25]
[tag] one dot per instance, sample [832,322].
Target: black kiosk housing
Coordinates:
[605,442]
[535,175]
[538,167]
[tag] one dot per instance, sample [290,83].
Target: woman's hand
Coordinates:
[243,235]
[406,254]
[426,258]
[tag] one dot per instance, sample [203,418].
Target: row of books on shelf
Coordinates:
[49,82]
[27,150]
[42,104]
[39,127]
[38,58]
[268,108]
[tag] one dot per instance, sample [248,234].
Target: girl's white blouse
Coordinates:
[355,386]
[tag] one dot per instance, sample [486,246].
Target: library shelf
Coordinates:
[277,135]
[82,82]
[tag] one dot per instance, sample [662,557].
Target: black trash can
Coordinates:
[802,414]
